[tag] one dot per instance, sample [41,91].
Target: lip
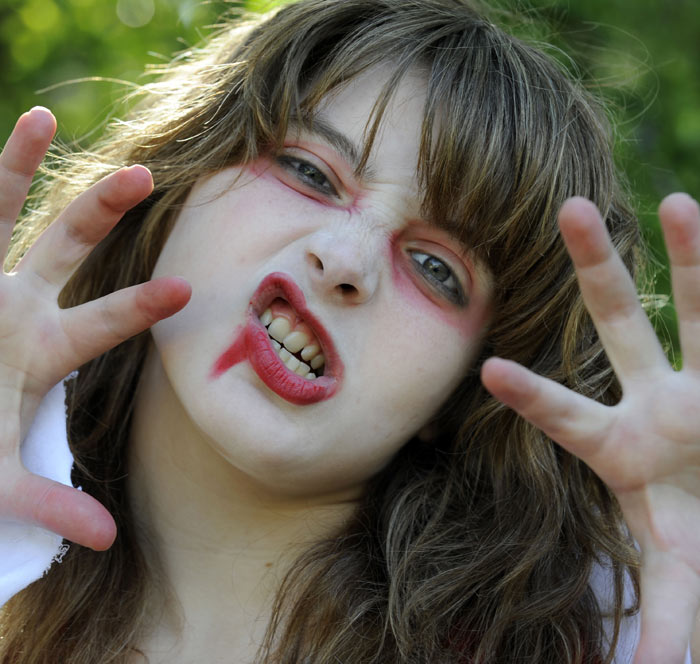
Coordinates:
[253,343]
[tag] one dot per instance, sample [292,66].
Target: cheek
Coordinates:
[415,374]
[432,356]
[422,358]
[221,234]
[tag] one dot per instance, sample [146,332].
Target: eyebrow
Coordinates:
[352,153]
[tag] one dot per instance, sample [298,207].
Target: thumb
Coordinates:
[64,510]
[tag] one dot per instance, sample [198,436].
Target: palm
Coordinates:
[650,434]
[41,343]
[647,447]
[24,351]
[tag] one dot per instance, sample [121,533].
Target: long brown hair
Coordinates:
[477,547]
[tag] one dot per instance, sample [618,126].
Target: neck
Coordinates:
[220,542]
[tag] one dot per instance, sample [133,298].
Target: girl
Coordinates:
[314,460]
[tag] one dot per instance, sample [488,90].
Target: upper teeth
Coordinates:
[266,318]
[279,328]
[296,341]
[293,341]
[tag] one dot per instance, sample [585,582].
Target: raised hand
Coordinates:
[647,447]
[40,343]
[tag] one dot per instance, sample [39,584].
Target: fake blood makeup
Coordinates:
[281,362]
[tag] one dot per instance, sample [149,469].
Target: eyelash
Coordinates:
[454,293]
[295,165]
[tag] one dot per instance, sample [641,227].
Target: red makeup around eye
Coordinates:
[268,169]
[407,283]
[332,164]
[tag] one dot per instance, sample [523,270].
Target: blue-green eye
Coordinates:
[308,174]
[440,276]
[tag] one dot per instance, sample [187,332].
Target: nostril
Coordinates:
[346,289]
[315,262]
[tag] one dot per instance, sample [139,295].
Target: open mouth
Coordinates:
[286,345]
[294,340]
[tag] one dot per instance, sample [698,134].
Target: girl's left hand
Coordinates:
[647,447]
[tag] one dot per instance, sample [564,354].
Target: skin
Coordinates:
[41,343]
[392,336]
[271,476]
[645,448]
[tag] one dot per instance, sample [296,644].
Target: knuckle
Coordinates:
[19,172]
[44,504]
[111,322]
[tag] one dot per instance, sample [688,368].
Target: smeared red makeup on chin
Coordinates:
[234,354]
[404,280]
[252,343]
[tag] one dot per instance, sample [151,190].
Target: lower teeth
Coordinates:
[294,364]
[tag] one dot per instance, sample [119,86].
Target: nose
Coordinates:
[344,266]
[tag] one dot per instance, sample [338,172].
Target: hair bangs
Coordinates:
[445,560]
[480,162]
[463,168]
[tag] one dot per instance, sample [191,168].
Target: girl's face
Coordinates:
[384,308]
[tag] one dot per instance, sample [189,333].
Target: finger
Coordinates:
[669,602]
[19,160]
[575,422]
[609,292]
[680,220]
[63,510]
[88,219]
[99,325]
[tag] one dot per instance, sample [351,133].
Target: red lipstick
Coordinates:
[253,343]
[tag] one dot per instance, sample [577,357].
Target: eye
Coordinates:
[308,174]
[440,276]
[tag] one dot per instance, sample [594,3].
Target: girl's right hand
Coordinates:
[40,343]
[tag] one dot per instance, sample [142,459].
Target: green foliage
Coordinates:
[46,44]
[643,56]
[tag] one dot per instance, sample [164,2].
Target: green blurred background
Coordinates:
[643,56]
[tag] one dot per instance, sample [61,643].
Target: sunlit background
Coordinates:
[642,55]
